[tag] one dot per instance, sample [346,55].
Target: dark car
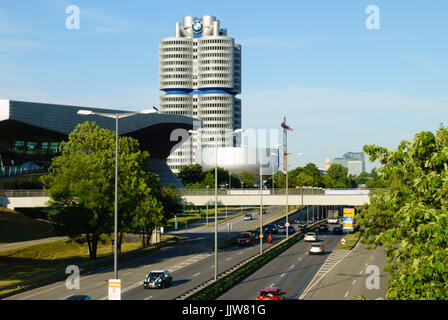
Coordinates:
[256,234]
[157,279]
[291,230]
[271,228]
[337,230]
[80,297]
[322,228]
[245,238]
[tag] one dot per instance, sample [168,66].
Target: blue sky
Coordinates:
[339,84]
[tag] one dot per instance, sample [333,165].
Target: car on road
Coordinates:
[310,236]
[271,228]
[247,216]
[245,239]
[157,279]
[338,230]
[256,234]
[322,228]
[316,248]
[271,294]
[300,223]
[79,297]
[291,230]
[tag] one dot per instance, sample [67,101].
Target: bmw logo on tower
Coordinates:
[197,26]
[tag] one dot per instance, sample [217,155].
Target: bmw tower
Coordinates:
[200,76]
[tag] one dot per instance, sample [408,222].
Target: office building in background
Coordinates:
[353,161]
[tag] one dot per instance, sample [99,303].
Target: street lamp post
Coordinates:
[116,116]
[216,203]
[286,221]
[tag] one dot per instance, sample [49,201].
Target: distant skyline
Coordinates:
[339,84]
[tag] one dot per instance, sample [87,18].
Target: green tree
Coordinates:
[308,175]
[248,179]
[81,184]
[191,174]
[337,176]
[410,218]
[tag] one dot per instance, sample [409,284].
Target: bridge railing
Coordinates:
[278,191]
[222,192]
[23,193]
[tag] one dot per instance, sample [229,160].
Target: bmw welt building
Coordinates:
[31,132]
[200,76]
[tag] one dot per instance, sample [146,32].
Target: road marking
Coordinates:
[282,275]
[228,258]
[241,252]
[126,274]
[360,272]
[300,258]
[354,281]
[271,285]
[148,298]
[346,294]
[196,274]
[323,271]
[291,267]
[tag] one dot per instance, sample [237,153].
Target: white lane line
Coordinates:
[354,281]
[148,298]
[228,258]
[241,252]
[360,272]
[271,285]
[282,275]
[196,274]
[291,267]
[346,294]
[300,258]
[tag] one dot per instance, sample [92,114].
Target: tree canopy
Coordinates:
[81,185]
[410,218]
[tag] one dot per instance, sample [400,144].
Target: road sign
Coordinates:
[114,289]
[343,241]
[261,236]
[287,224]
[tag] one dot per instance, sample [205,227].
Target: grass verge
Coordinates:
[351,240]
[33,266]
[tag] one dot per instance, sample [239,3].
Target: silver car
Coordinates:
[247,216]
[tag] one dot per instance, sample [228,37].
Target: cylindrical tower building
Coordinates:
[200,74]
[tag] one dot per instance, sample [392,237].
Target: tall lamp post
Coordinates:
[287,213]
[216,202]
[116,116]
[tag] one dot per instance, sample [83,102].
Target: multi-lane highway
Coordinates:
[291,271]
[190,261]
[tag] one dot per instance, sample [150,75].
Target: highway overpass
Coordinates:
[235,197]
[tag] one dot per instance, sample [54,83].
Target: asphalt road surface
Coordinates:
[291,271]
[190,261]
[357,274]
